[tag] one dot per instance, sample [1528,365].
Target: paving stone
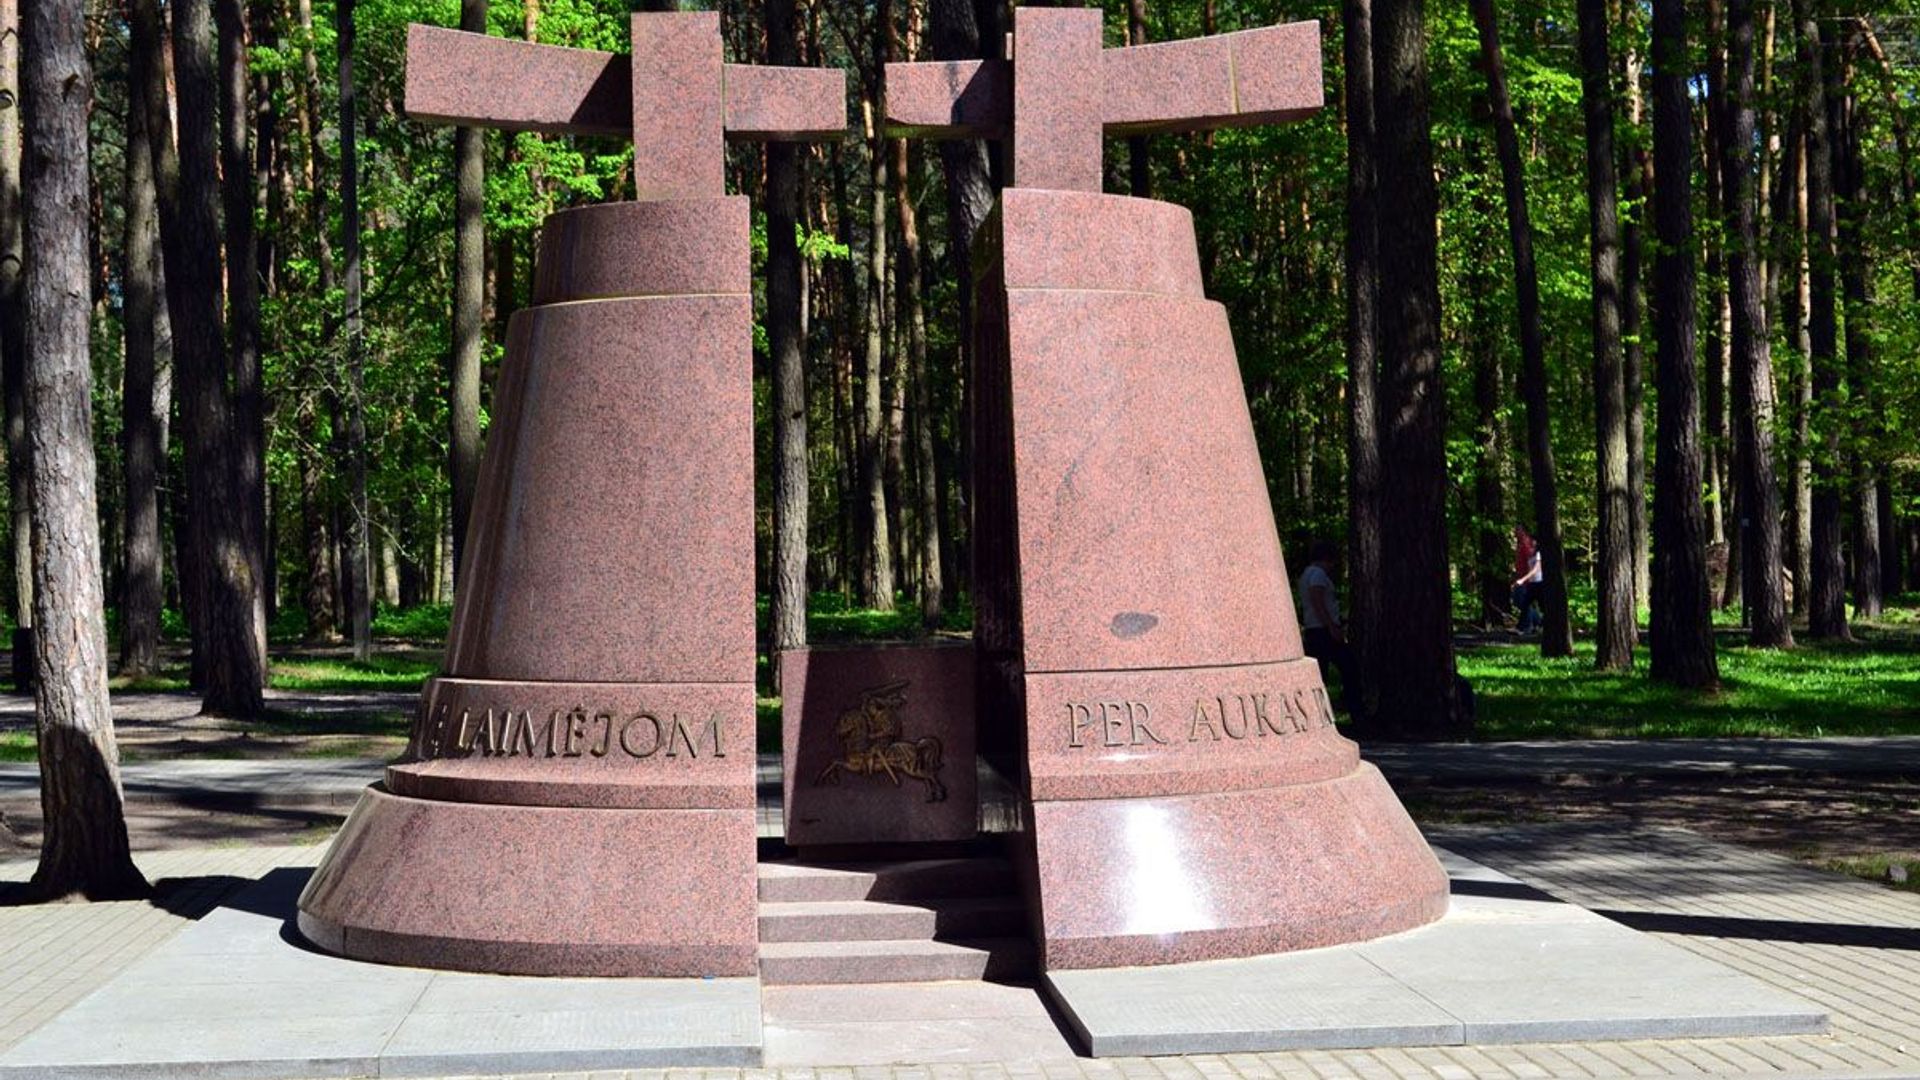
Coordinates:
[233,996]
[1325,998]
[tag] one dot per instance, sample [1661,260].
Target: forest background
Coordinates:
[343,392]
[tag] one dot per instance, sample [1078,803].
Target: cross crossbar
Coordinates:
[456,77]
[1242,79]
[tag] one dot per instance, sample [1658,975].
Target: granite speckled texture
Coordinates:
[1260,76]
[633,745]
[1057,252]
[642,249]
[785,103]
[1190,797]
[538,890]
[857,722]
[1238,873]
[623,501]
[678,114]
[950,99]
[1122,731]
[563,91]
[456,77]
[1056,98]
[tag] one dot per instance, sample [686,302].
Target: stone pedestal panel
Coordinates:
[1146,536]
[1125,882]
[878,744]
[612,539]
[642,249]
[661,746]
[538,890]
[1128,733]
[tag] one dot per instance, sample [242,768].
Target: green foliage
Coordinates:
[423,622]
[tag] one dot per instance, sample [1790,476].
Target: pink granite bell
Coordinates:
[577,795]
[1189,797]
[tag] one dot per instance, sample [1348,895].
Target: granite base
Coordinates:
[1240,873]
[538,890]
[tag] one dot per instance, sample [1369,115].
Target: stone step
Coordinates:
[869,920]
[794,963]
[919,879]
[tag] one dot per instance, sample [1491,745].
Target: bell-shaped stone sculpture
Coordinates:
[1189,796]
[577,795]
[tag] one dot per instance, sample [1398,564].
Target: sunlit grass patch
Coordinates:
[383,671]
[1902,871]
[19,746]
[1870,687]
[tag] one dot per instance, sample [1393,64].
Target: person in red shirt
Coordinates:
[1527,580]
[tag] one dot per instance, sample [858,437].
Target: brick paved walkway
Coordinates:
[52,955]
[1848,945]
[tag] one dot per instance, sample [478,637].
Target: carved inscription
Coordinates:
[576,733]
[1220,718]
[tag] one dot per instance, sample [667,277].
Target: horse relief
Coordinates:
[872,744]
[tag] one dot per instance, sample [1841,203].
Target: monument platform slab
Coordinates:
[1508,964]
[235,995]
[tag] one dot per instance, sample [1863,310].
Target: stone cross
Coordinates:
[1059,92]
[673,95]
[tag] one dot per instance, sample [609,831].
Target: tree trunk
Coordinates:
[143,409]
[469,288]
[243,304]
[1556,632]
[316,517]
[1801,476]
[1489,466]
[954,33]
[1363,342]
[921,420]
[1717,437]
[222,595]
[1633,365]
[1680,629]
[84,848]
[1417,643]
[1826,602]
[359,592]
[877,584]
[310,121]
[1764,594]
[1723,510]
[787,343]
[1613,562]
[1856,283]
[13,349]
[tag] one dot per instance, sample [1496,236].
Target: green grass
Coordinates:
[19,746]
[401,671]
[1877,867]
[1871,687]
[383,671]
[832,619]
[766,725]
